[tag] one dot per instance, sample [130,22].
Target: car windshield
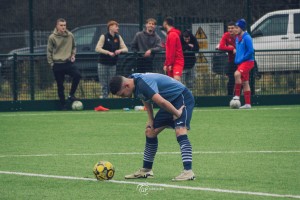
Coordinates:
[275,25]
[84,36]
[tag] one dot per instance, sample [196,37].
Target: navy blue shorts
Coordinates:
[164,118]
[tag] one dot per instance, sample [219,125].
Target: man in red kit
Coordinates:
[227,44]
[174,56]
[244,59]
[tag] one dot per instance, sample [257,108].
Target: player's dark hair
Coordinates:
[169,21]
[231,23]
[115,84]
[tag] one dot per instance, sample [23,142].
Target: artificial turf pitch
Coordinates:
[254,151]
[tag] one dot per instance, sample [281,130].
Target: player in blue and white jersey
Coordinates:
[176,104]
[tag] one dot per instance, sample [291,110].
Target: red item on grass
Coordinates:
[101,108]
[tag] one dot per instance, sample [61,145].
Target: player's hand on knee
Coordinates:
[180,110]
[149,125]
[149,132]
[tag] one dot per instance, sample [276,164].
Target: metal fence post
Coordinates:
[31,78]
[249,22]
[249,16]
[141,9]
[252,80]
[159,19]
[31,43]
[15,77]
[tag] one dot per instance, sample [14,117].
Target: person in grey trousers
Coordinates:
[110,45]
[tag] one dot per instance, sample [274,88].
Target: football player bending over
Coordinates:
[176,104]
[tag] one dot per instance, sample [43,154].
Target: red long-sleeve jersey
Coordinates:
[227,43]
[174,54]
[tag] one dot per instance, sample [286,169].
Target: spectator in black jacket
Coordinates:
[110,45]
[190,47]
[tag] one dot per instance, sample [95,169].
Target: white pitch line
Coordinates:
[135,112]
[161,153]
[157,185]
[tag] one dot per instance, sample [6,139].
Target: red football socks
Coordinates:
[247,95]
[237,89]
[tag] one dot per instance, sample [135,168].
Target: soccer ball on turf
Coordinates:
[235,104]
[104,170]
[77,105]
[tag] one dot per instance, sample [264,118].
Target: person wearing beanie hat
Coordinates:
[242,24]
[244,59]
[110,45]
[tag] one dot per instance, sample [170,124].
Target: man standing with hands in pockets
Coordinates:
[61,51]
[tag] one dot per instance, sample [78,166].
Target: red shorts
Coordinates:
[245,69]
[175,71]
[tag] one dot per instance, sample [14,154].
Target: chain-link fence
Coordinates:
[20,81]
[25,74]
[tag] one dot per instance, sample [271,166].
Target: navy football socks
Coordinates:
[186,151]
[150,151]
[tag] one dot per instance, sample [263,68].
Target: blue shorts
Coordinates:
[164,118]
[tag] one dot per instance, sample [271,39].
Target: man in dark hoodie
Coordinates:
[61,52]
[174,56]
[148,43]
[189,46]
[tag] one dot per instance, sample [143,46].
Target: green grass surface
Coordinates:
[227,145]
